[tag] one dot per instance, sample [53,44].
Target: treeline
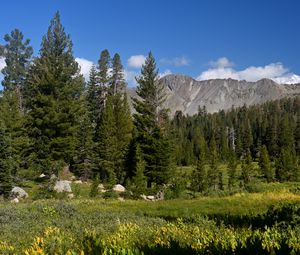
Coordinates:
[267,133]
[51,120]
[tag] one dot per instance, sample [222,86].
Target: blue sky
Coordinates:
[248,39]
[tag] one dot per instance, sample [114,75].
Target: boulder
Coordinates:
[42,176]
[14,201]
[150,198]
[19,193]
[53,177]
[119,188]
[160,195]
[62,186]
[78,182]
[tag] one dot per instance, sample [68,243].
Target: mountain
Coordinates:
[187,94]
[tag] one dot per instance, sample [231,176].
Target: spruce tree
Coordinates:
[5,160]
[213,171]
[53,89]
[265,164]
[152,136]
[287,167]
[92,96]
[117,84]
[247,169]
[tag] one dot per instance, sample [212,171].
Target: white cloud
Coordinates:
[2,63]
[223,69]
[221,63]
[136,61]
[178,61]
[85,67]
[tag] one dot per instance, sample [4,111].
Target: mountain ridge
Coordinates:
[183,93]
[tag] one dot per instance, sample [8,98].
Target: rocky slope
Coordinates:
[186,94]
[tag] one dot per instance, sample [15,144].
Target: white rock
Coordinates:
[62,186]
[151,198]
[71,196]
[78,182]
[119,188]
[42,176]
[18,192]
[14,201]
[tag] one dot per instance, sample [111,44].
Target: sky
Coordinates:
[239,39]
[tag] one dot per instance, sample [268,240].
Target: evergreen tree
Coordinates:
[118,84]
[265,164]
[247,168]
[17,58]
[122,115]
[106,143]
[17,55]
[297,135]
[152,136]
[5,174]
[92,96]
[287,168]
[213,171]
[139,180]
[231,168]
[53,90]
[199,178]
[84,158]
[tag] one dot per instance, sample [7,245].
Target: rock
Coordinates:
[160,195]
[15,201]
[42,176]
[73,178]
[78,182]
[19,193]
[62,186]
[71,196]
[150,198]
[119,188]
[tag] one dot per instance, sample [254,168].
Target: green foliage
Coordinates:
[287,168]
[5,160]
[265,164]
[199,176]
[53,90]
[95,187]
[150,122]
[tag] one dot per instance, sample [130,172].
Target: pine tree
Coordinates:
[5,173]
[53,90]
[117,84]
[232,165]
[287,167]
[149,123]
[247,169]
[106,143]
[265,164]
[139,180]
[17,58]
[213,171]
[297,135]
[84,158]
[17,55]
[123,120]
[92,96]
[199,177]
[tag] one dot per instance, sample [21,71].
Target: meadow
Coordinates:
[244,223]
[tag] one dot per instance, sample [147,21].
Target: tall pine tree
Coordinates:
[152,136]
[53,88]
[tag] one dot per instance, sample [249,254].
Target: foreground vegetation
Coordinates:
[244,223]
